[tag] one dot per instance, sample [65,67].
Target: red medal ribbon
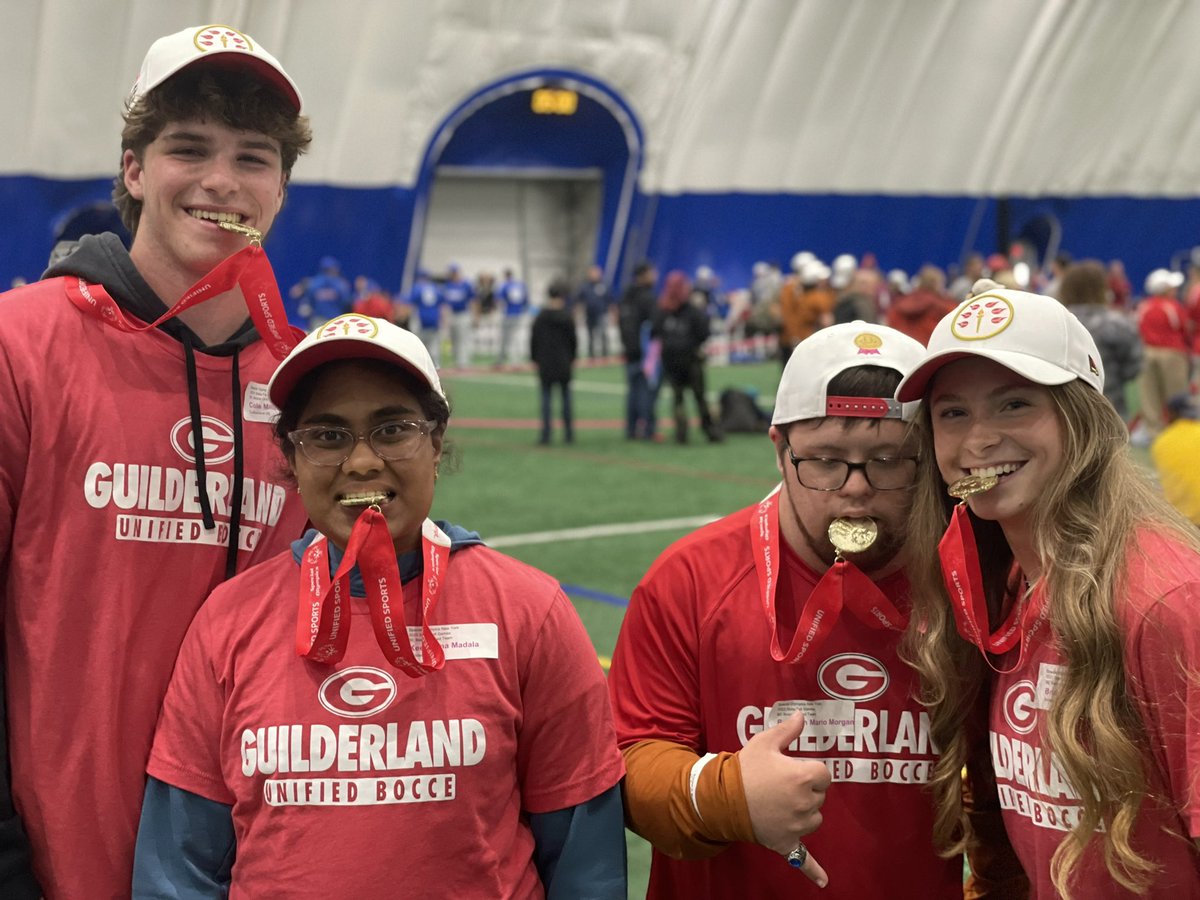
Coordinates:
[323,623]
[963,576]
[248,269]
[843,584]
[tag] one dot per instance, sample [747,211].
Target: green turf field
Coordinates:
[508,487]
[514,492]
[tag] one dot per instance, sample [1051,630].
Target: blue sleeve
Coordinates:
[185,846]
[580,851]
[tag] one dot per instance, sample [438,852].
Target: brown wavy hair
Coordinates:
[214,95]
[1084,527]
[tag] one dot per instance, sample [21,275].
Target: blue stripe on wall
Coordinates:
[367,229]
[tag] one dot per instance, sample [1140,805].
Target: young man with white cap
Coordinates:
[757,666]
[137,468]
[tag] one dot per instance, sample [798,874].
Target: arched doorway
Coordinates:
[537,172]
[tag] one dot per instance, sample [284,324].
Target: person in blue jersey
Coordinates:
[514,297]
[323,296]
[459,296]
[595,299]
[428,304]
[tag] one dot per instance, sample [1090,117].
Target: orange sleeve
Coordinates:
[658,800]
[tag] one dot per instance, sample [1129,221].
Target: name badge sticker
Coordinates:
[468,640]
[257,405]
[1049,676]
[822,718]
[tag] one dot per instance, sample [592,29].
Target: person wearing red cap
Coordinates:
[1061,598]
[757,669]
[429,719]
[137,469]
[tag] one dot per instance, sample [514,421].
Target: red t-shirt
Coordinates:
[347,779]
[693,666]
[104,559]
[1162,322]
[1160,617]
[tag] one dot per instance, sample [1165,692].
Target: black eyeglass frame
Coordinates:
[424,427]
[853,467]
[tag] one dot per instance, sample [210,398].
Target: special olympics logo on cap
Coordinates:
[226,38]
[349,326]
[868,344]
[981,318]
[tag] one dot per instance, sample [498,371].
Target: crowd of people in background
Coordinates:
[664,328]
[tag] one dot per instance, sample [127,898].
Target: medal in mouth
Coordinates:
[253,234]
[970,485]
[852,535]
[366,498]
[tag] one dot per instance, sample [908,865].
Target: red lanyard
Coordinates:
[249,269]
[963,576]
[843,584]
[323,624]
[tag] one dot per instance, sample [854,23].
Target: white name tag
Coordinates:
[822,718]
[1049,675]
[470,640]
[257,406]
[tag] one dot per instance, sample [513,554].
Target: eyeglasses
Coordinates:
[884,473]
[331,445]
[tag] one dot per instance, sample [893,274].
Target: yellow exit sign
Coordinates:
[554,102]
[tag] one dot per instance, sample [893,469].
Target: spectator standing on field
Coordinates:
[459,297]
[553,346]
[634,318]
[425,297]
[1163,325]
[514,302]
[682,328]
[596,302]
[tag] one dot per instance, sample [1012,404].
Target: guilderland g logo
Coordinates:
[1019,711]
[853,676]
[217,437]
[357,692]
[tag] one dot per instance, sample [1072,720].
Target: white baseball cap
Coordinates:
[1035,336]
[354,337]
[215,45]
[833,350]
[813,272]
[1162,280]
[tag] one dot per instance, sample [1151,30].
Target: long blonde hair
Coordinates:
[1083,528]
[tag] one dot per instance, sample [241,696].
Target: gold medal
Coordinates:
[254,234]
[970,485]
[373,499]
[852,535]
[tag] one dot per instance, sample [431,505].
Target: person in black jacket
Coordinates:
[682,328]
[633,319]
[553,344]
